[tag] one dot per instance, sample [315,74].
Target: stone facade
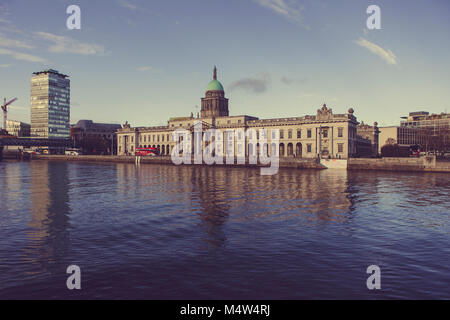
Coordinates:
[367,140]
[324,134]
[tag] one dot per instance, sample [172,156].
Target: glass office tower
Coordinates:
[50,105]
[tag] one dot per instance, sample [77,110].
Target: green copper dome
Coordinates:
[214,85]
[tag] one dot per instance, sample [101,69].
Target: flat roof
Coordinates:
[51,71]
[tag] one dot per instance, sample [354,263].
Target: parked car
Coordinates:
[72,152]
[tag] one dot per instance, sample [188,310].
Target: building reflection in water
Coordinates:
[48,227]
[217,194]
[209,190]
[11,185]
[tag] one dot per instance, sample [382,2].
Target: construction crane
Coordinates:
[5,111]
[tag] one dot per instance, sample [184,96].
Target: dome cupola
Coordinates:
[214,104]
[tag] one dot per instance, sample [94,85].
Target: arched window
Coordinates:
[281,150]
[298,150]
[290,149]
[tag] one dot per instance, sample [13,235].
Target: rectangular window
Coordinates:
[299,134]
[265,133]
[340,147]
[281,134]
[308,147]
[325,133]
[309,133]
[340,132]
[290,134]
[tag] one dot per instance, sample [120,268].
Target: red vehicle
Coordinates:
[146,151]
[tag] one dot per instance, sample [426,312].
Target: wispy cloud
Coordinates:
[289,9]
[144,68]
[127,5]
[387,55]
[258,84]
[5,65]
[12,43]
[21,56]
[62,44]
[289,81]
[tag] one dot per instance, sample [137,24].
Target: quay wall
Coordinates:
[424,164]
[284,162]
[334,163]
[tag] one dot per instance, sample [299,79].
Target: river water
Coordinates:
[167,232]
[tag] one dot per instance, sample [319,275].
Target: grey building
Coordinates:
[95,137]
[50,105]
[18,128]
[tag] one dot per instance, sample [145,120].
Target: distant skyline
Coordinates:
[146,61]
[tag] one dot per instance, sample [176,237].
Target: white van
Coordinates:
[72,152]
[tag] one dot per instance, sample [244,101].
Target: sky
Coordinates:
[145,61]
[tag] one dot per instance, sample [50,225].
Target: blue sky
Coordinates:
[145,61]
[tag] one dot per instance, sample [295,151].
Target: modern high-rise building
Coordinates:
[50,105]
